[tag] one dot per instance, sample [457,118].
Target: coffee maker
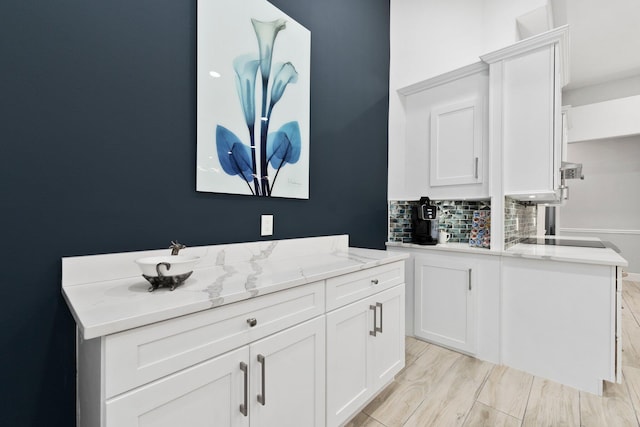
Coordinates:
[425,225]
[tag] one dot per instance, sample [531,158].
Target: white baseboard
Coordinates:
[634,277]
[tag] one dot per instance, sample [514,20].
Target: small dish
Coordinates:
[170,270]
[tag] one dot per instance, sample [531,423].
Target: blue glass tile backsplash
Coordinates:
[520,221]
[454,216]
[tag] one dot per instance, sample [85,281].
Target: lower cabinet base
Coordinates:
[559,321]
[317,373]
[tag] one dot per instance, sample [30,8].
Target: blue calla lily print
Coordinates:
[252,162]
[253,100]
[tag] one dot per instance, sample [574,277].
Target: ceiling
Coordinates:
[604,39]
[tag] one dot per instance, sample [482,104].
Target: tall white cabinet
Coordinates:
[526,88]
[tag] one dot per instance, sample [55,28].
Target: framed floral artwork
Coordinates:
[253,100]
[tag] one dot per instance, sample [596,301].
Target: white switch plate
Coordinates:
[266,225]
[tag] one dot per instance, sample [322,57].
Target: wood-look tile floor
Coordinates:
[439,387]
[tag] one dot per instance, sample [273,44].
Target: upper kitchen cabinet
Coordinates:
[526,87]
[447,134]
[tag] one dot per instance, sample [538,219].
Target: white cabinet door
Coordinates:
[348,360]
[206,395]
[288,377]
[365,350]
[388,344]
[445,303]
[456,143]
[281,382]
[532,123]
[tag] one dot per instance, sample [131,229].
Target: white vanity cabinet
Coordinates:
[447,135]
[261,361]
[445,301]
[526,83]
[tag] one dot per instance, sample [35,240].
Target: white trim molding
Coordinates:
[558,35]
[477,67]
[599,231]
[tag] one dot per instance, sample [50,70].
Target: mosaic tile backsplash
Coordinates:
[454,217]
[520,220]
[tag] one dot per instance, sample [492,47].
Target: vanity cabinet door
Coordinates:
[445,303]
[388,344]
[288,377]
[365,350]
[205,395]
[348,360]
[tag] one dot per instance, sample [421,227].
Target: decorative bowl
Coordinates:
[169,270]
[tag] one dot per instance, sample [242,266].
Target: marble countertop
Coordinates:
[107,294]
[598,256]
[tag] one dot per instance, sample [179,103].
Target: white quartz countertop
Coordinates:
[107,294]
[598,256]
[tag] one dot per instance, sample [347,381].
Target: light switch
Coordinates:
[266,225]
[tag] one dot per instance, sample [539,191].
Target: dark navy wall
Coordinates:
[98,149]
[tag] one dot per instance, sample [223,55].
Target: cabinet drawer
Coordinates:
[142,355]
[348,288]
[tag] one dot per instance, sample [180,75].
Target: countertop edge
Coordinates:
[446,247]
[609,256]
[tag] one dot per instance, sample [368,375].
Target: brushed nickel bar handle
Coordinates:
[469,279]
[262,396]
[244,406]
[375,316]
[379,304]
[476,169]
